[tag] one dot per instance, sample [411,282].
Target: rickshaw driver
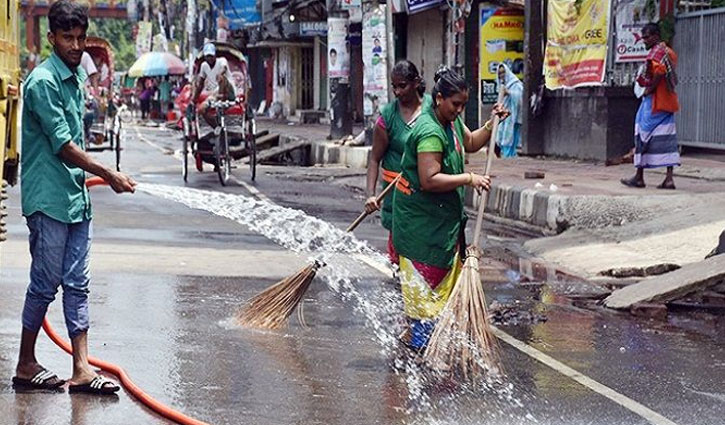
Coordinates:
[214,82]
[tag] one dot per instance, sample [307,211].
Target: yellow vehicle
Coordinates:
[9,101]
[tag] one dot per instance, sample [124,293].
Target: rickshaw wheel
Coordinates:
[252,149]
[223,163]
[117,136]
[185,160]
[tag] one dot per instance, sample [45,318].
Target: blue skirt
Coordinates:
[655,137]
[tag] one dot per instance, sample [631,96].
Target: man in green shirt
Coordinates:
[55,200]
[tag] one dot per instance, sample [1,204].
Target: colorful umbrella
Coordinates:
[154,64]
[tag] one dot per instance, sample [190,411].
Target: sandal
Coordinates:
[670,186]
[99,385]
[43,380]
[632,183]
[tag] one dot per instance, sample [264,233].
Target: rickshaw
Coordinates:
[105,131]
[234,137]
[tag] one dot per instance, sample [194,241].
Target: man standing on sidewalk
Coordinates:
[55,200]
[654,128]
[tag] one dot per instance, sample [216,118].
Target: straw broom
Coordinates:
[272,307]
[462,341]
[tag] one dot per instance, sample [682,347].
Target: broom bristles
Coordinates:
[462,342]
[272,307]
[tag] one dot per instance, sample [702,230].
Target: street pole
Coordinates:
[340,102]
[390,39]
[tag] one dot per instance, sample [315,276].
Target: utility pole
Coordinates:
[390,39]
[338,72]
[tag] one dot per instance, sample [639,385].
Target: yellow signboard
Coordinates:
[576,45]
[502,41]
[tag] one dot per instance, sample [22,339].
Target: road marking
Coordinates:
[624,401]
[601,389]
[163,150]
[253,190]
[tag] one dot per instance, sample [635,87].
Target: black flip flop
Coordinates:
[668,186]
[632,183]
[43,380]
[99,385]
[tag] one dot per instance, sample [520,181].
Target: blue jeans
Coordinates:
[60,256]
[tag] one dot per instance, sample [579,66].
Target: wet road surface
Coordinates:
[167,281]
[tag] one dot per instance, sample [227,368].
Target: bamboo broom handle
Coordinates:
[380,197]
[487,170]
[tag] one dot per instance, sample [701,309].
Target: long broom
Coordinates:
[272,307]
[462,342]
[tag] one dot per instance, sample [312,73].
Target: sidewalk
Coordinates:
[596,224]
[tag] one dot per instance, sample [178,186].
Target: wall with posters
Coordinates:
[375,64]
[587,122]
[576,45]
[502,41]
[338,51]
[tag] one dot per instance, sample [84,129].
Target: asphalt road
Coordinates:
[168,280]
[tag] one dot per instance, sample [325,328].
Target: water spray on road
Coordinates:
[301,233]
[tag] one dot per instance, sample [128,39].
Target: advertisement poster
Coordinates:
[338,57]
[241,13]
[576,45]
[630,17]
[375,75]
[502,41]
[143,38]
[415,6]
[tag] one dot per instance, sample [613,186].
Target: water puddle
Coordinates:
[430,399]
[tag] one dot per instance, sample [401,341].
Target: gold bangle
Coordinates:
[470,178]
[487,125]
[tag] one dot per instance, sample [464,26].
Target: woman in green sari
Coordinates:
[391,130]
[428,216]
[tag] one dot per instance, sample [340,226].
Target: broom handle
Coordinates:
[380,197]
[486,171]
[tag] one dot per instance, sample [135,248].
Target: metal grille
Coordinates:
[701,71]
[307,81]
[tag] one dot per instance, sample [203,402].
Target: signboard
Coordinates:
[241,13]
[374,53]
[502,41]
[630,18]
[576,45]
[415,6]
[159,43]
[311,29]
[338,57]
[350,4]
[143,38]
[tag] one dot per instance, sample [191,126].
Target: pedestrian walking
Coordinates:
[390,133]
[165,92]
[144,98]
[55,201]
[428,216]
[655,134]
[509,131]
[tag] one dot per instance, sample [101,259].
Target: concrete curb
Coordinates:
[330,153]
[540,208]
[547,210]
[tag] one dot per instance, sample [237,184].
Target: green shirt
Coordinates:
[53,107]
[398,131]
[164,93]
[428,226]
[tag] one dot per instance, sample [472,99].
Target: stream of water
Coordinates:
[432,399]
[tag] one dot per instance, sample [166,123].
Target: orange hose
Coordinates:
[127,383]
